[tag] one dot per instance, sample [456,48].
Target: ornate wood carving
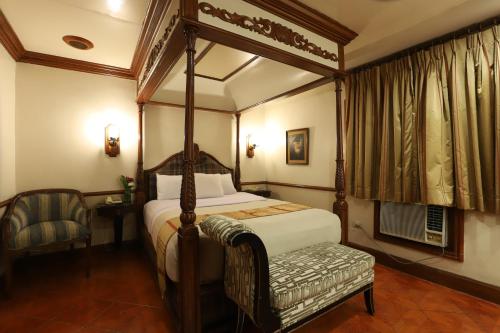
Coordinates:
[340,206]
[270,29]
[188,233]
[237,171]
[155,52]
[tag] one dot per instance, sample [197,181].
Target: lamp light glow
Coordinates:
[115,5]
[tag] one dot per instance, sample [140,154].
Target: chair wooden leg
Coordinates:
[369,301]
[7,262]
[88,254]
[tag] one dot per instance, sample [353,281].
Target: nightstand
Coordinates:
[262,193]
[117,212]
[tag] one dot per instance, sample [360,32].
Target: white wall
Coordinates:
[60,121]
[7,125]
[164,134]
[316,109]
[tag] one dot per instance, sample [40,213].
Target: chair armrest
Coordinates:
[246,273]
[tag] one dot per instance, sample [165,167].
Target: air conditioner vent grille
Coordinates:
[435,218]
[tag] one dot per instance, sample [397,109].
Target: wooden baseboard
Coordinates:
[454,281]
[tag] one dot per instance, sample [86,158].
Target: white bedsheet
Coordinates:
[279,233]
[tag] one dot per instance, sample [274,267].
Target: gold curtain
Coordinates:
[426,127]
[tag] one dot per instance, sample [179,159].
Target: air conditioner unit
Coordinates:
[419,223]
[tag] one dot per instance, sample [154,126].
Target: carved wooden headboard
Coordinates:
[205,163]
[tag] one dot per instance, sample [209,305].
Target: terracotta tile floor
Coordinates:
[51,294]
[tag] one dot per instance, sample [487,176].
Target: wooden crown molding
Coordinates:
[155,12]
[75,65]
[9,39]
[150,26]
[308,18]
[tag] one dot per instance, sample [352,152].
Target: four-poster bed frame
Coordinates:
[281,30]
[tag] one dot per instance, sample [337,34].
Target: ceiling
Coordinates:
[252,79]
[113,26]
[229,79]
[387,26]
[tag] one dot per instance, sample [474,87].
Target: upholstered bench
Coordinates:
[41,219]
[289,289]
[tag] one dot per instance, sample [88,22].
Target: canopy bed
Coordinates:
[281,33]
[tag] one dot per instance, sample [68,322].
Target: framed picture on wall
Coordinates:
[297,146]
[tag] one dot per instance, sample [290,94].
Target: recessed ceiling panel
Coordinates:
[113,26]
[220,62]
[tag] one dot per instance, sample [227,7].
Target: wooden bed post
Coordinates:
[340,206]
[237,171]
[139,176]
[188,232]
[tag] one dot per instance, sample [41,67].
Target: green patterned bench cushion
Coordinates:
[314,270]
[48,232]
[41,207]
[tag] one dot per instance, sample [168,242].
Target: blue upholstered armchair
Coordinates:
[44,219]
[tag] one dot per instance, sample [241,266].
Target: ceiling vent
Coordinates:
[78,42]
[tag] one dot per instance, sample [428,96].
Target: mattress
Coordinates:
[279,233]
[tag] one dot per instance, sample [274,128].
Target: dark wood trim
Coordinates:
[204,53]
[455,248]
[270,29]
[182,107]
[305,187]
[75,65]
[484,25]
[230,75]
[308,18]
[150,26]
[206,50]
[9,39]
[163,65]
[295,91]
[5,202]
[251,46]
[13,45]
[189,9]
[451,280]
[237,70]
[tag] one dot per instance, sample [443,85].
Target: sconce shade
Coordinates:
[112,140]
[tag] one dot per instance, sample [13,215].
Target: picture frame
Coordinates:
[297,146]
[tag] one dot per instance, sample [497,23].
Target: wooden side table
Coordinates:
[262,193]
[117,212]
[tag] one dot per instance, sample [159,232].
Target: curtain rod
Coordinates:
[462,32]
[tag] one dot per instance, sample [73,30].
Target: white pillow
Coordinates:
[168,187]
[227,183]
[208,185]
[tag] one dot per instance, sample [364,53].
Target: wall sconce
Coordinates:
[251,145]
[112,140]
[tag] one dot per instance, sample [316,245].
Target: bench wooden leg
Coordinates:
[88,253]
[369,301]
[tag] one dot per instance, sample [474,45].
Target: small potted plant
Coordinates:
[128,186]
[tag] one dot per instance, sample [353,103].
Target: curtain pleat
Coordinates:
[425,128]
